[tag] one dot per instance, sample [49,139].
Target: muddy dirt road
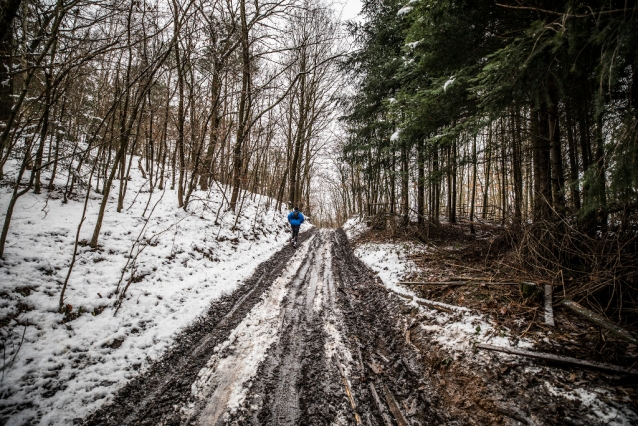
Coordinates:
[313,339]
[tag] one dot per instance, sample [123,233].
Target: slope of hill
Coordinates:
[170,262]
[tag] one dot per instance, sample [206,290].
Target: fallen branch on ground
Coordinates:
[394,407]
[468,281]
[380,406]
[456,283]
[559,358]
[599,320]
[433,305]
[430,303]
[346,384]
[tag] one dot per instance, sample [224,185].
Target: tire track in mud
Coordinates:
[221,385]
[154,397]
[314,338]
[299,383]
[390,380]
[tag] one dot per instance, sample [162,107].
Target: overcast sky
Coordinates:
[350,9]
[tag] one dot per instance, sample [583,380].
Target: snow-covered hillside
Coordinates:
[57,371]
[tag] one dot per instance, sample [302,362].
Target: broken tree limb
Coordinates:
[599,320]
[549,311]
[438,305]
[405,296]
[457,283]
[434,306]
[429,303]
[352,403]
[380,406]
[467,281]
[346,384]
[394,407]
[432,283]
[558,358]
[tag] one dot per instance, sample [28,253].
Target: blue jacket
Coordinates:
[295,221]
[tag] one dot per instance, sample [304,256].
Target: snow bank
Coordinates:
[184,261]
[457,331]
[354,227]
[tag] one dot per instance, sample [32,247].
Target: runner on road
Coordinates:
[295,219]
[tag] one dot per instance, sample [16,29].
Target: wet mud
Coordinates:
[335,348]
[154,397]
[298,383]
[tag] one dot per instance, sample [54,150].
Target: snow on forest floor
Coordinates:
[57,371]
[457,331]
[461,329]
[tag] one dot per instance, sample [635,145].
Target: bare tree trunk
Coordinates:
[8,12]
[516,163]
[601,190]
[573,164]
[421,182]
[488,172]
[56,157]
[181,115]
[504,191]
[14,197]
[540,138]
[473,197]
[556,157]
[453,189]
[436,187]
[448,174]
[405,195]
[243,115]
[44,130]
[297,147]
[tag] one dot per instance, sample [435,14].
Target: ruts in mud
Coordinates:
[313,338]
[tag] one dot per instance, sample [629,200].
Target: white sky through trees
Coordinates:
[349,9]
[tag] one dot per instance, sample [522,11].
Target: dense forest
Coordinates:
[197,93]
[520,114]
[517,114]
[476,161]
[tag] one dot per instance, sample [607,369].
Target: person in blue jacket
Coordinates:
[295,219]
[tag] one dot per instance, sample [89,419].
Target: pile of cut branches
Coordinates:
[598,268]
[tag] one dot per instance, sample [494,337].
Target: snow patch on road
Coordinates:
[223,382]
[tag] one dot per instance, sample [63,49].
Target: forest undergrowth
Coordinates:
[484,271]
